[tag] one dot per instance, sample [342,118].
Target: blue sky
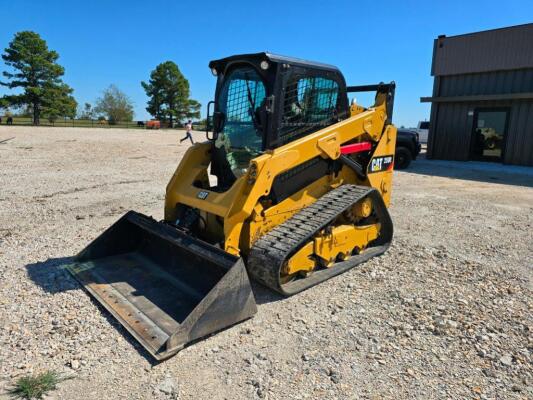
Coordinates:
[120,42]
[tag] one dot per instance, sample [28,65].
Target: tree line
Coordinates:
[37,77]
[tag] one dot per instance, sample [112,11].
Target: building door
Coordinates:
[488,138]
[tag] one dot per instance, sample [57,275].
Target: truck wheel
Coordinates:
[490,144]
[403,158]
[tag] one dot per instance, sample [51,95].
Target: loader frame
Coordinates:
[310,204]
[237,204]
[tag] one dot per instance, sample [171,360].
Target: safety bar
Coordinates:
[387,88]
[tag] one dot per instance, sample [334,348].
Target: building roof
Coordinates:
[493,50]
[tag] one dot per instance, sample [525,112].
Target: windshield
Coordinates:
[241,97]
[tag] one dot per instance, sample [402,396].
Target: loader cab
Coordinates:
[263,101]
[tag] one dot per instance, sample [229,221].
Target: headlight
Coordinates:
[264,65]
[214,71]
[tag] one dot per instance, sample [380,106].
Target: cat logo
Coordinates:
[202,194]
[380,164]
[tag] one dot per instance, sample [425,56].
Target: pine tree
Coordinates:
[36,71]
[169,93]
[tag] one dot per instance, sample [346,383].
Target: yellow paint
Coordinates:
[330,145]
[245,214]
[363,208]
[302,261]
[327,248]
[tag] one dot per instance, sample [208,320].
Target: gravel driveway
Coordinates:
[445,313]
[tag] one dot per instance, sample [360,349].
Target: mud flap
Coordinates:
[165,287]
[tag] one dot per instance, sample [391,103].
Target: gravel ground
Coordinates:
[445,313]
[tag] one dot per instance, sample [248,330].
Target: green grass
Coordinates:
[34,387]
[87,123]
[81,123]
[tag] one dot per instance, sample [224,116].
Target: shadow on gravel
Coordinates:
[474,171]
[53,278]
[264,295]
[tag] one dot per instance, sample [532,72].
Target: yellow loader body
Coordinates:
[291,188]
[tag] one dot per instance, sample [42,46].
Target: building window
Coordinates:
[489,133]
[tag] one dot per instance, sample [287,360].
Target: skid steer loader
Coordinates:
[290,188]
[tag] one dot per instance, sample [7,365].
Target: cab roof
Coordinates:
[273,58]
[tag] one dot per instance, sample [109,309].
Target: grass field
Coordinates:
[81,123]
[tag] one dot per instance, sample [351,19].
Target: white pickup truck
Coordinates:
[422,130]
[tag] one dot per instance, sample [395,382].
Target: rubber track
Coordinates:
[271,251]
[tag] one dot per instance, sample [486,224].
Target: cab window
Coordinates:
[310,104]
[242,95]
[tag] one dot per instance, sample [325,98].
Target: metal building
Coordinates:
[482,102]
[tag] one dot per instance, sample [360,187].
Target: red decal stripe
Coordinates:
[356,147]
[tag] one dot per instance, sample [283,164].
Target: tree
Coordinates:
[194,109]
[3,105]
[87,112]
[115,105]
[58,102]
[36,71]
[169,93]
